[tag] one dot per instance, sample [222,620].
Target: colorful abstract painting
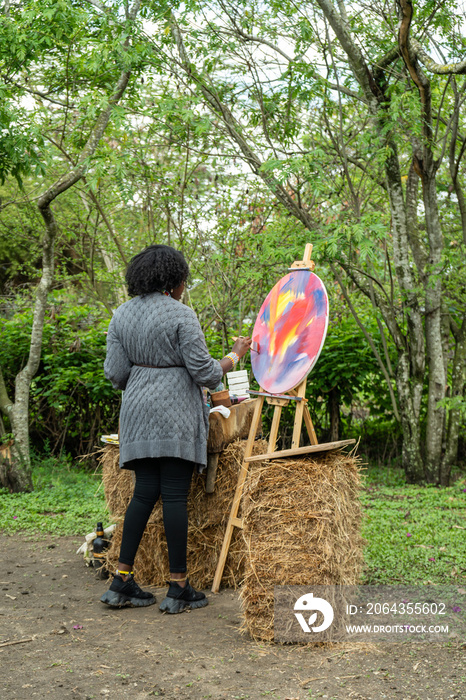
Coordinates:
[290,331]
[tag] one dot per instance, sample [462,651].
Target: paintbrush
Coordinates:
[254,344]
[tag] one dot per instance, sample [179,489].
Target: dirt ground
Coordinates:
[72,646]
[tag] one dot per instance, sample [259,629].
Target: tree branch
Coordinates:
[344,90]
[72,176]
[419,255]
[238,31]
[40,94]
[415,72]
[99,5]
[129,14]
[364,167]
[383,62]
[378,294]
[369,339]
[234,130]
[454,163]
[6,405]
[433,66]
[355,57]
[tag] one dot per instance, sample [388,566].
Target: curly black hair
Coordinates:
[156,268]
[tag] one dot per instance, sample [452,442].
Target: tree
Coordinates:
[148,181]
[354,136]
[359,134]
[88,85]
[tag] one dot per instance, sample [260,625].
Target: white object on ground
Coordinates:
[86,548]
[109,439]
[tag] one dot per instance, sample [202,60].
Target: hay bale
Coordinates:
[208,516]
[204,545]
[118,483]
[301,527]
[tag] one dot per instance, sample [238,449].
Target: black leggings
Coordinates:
[169,477]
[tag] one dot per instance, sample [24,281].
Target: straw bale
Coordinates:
[204,509]
[118,483]
[208,516]
[204,545]
[301,527]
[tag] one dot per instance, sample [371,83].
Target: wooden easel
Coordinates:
[298,397]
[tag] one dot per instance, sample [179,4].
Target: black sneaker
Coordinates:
[179,598]
[126,593]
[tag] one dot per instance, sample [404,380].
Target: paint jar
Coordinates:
[221,398]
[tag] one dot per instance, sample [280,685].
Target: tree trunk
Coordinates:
[15,473]
[19,472]
[411,347]
[433,329]
[334,412]
[455,413]
[409,396]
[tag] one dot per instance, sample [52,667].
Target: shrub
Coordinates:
[71,401]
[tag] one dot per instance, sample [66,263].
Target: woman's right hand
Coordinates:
[241,346]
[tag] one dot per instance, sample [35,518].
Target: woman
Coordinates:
[156,352]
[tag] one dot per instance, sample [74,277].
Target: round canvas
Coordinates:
[290,331]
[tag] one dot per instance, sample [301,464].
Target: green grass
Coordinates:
[66,500]
[414,534]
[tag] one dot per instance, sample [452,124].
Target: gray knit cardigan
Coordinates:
[163,412]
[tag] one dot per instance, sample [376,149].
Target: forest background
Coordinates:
[237,133]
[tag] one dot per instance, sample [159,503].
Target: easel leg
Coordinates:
[274,428]
[237,497]
[307,419]
[298,419]
[310,427]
